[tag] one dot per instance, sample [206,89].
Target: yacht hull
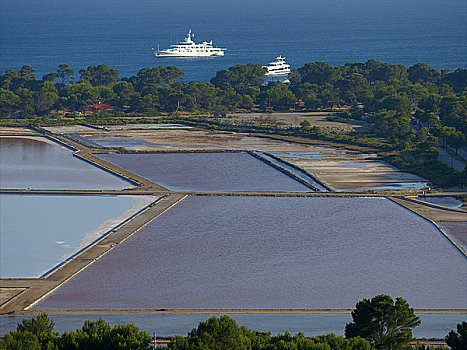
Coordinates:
[187,54]
[278,74]
[277,68]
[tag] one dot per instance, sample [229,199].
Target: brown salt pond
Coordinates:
[273,253]
[341,169]
[206,171]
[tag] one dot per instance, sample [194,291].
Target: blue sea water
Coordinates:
[121,33]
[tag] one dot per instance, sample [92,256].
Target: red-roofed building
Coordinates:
[98,107]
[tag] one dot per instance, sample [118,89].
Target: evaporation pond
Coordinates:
[39,232]
[449,202]
[206,171]
[273,253]
[37,162]
[109,141]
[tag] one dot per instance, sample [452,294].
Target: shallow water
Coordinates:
[147,126]
[128,143]
[206,171]
[270,252]
[109,141]
[449,202]
[36,162]
[39,232]
[352,171]
[432,326]
[69,128]
[398,186]
[325,153]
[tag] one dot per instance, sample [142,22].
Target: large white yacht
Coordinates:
[278,67]
[188,48]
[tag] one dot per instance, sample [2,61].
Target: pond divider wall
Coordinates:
[92,162]
[303,171]
[435,206]
[82,141]
[48,135]
[260,156]
[95,127]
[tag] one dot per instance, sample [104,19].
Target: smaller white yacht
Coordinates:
[188,48]
[278,67]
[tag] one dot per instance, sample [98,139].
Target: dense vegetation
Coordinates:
[458,340]
[386,323]
[224,333]
[407,109]
[38,333]
[380,323]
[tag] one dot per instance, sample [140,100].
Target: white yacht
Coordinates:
[278,67]
[188,48]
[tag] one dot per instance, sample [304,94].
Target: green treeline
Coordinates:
[213,334]
[216,333]
[38,333]
[380,323]
[378,92]
[409,111]
[374,85]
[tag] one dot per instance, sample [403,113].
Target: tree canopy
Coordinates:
[387,323]
[34,333]
[38,333]
[224,333]
[458,340]
[219,333]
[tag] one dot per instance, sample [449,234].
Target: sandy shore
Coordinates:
[32,137]
[15,131]
[139,203]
